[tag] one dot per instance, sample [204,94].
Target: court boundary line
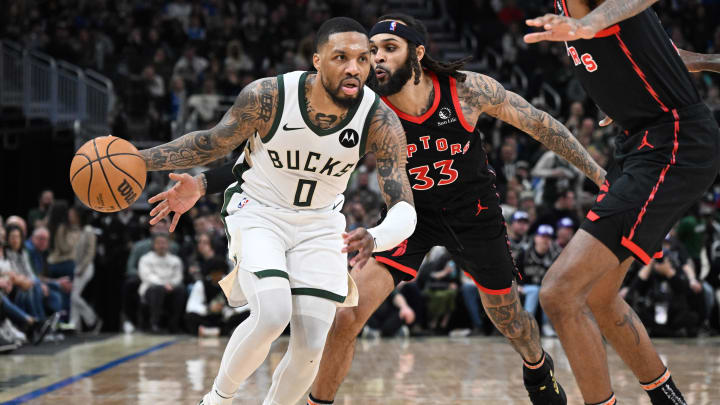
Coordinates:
[97,370]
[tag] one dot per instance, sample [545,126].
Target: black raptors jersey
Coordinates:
[632,70]
[446,160]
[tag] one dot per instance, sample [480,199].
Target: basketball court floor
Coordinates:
[140,369]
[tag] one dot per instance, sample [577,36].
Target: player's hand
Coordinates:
[606,121]
[407,315]
[558,28]
[359,240]
[178,199]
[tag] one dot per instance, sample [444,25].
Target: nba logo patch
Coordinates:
[393,25]
[243,202]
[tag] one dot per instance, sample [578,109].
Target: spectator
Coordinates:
[37,247]
[131,284]
[533,262]
[362,192]
[161,285]
[659,295]
[178,94]
[565,230]
[441,289]
[236,60]
[80,310]
[517,231]
[471,298]
[190,66]
[206,307]
[63,237]
[557,175]
[392,318]
[564,206]
[575,116]
[29,292]
[203,108]
[37,216]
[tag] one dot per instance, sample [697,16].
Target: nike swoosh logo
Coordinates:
[286,128]
[335,206]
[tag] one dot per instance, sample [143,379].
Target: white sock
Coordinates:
[309,326]
[270,311]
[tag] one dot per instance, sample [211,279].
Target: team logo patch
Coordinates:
[393,25]
[444,113]
[349,138]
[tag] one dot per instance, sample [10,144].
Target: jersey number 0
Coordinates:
[307,201]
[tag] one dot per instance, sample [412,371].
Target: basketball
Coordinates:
[107,174]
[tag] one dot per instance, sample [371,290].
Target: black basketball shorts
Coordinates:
[659,173]
[474,233]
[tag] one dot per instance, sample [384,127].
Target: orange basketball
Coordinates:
[107,174]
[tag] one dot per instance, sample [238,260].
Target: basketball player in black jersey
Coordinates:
[666,158]
[454,188]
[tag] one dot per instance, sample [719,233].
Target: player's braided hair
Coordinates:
[439,67]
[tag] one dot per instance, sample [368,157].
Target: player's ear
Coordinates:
[316,61]
[420,51]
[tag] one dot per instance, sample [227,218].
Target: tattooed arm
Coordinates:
[253,111]
[386,138]
[561,28]
[613,11]
[480,93]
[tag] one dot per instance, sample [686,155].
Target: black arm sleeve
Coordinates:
[219,178]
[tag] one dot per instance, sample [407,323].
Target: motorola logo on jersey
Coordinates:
[349,138]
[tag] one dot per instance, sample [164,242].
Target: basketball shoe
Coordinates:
[548,391]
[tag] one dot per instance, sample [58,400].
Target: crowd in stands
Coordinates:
[177,64]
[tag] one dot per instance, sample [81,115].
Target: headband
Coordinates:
[396,28]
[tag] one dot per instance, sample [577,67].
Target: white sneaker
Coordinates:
[14,333]
[370,333]
[548,331]
[128,327]
[210,399]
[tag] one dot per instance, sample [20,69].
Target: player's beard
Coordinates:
[342,102]
[395,80]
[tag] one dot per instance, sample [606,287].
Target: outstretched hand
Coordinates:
[359,240]
[178,199]
[558,28]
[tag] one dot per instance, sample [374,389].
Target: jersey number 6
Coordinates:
[421,172]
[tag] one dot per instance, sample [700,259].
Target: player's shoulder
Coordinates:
[266,86]
[479,90]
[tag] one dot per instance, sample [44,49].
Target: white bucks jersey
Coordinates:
[299,165]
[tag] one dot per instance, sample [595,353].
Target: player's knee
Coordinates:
[347,322]
[555,299]
[272,321]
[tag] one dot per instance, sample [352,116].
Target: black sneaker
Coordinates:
[39,330]
[549,391]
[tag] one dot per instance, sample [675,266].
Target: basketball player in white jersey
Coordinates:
[305,134]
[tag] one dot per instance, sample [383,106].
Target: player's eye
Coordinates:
[390,48]
[363,59]
[373,51]
[340,57]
